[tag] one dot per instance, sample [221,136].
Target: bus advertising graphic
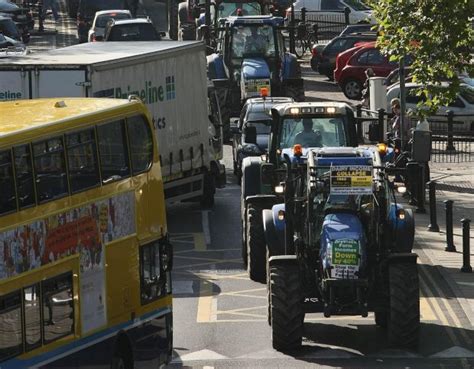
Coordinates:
[84,230]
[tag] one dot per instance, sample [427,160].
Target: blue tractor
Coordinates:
[250,57]
[340,244]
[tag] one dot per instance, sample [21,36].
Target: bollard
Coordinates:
[449,226]
[380,123]
[347,19]
[420,190]
[450,145]
[466,247]
[433,227]
[40,16]
[360,134]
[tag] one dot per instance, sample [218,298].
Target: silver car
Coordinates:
[96,32]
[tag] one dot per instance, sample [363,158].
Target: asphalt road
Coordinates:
[220,315]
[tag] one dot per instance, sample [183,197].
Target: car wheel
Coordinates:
[352,89]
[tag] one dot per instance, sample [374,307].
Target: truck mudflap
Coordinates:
[221,178]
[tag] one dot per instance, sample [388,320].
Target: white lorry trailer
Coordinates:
[170,77]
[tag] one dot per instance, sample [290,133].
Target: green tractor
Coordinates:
[340,244]
[333,124]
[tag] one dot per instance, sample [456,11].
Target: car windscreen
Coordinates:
[467,93]
[103,19]
[228,9]
[253,40]
[90,7]
[263,126]
[313,132]
[133,32]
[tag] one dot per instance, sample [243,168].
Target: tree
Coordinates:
[438,37]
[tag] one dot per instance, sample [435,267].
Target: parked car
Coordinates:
[23,17]
[256,114]
[96,32]
[86,13]
[350,68]
[359,12]
[138,29]
[357,28]
[462,107]
[9,29]
[323,59]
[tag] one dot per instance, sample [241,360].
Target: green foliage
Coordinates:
[437,34]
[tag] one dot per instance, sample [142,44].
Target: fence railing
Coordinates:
[452,139]
[329,24]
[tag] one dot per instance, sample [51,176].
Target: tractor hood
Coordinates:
[343,245]
[254,75]
[255,68]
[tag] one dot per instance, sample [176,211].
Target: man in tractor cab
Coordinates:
[307,137]
[256,42]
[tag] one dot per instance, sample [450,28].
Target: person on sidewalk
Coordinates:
[54,6]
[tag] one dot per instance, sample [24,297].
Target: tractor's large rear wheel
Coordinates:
[256,247]
[404,314]
[286,308]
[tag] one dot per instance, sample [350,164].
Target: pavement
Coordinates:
[455,181]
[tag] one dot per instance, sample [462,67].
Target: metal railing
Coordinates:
[452,139]
[329,24]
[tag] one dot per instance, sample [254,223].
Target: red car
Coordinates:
[352,64]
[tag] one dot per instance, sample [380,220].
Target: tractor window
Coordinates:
[253,40]
[313,132]
[229,9]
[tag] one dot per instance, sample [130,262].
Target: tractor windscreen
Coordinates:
[313,132]
[228,9]
[253,40]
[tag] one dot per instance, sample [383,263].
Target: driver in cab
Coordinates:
[256,42]
[308,137]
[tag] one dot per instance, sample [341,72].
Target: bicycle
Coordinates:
[305,39]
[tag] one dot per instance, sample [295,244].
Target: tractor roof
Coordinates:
[312,108]
[254,19]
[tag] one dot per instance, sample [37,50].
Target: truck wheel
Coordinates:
[173,19]
[404,314]
[269,291]
[243,222]
[286,309]
[295,92]
[209,183]
[352,89]
[256,249]
[381,318]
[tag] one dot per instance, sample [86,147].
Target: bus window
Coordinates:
[58,312]
[11,340]
[50,168]
[150,272]
[141,144]
[82,160]
[113,151]
[24,176]
[32,317]
[7,184]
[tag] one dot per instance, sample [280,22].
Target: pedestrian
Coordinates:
[54,6]
[399,124]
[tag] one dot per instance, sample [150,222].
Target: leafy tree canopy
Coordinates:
[437,34]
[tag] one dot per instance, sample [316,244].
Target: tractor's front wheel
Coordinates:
[256,248]
[404,315]
[286,308]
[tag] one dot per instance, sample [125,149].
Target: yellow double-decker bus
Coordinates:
[85,260]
